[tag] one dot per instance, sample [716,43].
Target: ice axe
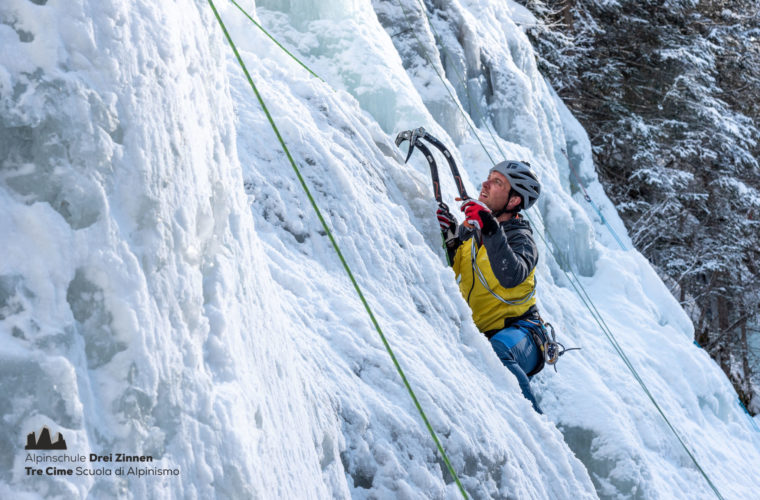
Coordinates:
[415,138]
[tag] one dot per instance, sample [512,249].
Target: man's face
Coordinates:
[495,191]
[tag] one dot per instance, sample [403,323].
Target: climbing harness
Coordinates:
[551,349]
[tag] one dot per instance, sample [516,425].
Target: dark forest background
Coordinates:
[669,92]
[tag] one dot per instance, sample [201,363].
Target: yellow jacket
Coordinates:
[504,266]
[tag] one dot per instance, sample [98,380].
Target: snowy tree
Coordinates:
[669,93]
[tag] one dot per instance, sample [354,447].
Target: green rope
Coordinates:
[582,294]
[340,254]
[608,333]
[579,289]
[245,13]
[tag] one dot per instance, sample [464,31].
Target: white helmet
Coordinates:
[522,179]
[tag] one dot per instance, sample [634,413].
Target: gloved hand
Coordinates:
[448,224]
[478,215]
[445,219]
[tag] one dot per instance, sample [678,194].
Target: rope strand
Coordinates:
[574,281]
[582,292]
[340,254]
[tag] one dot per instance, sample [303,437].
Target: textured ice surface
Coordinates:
[166,288]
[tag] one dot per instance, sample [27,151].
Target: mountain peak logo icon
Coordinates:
[44,442]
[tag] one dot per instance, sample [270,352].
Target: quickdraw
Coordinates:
[551,349]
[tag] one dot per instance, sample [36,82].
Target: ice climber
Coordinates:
[494,258]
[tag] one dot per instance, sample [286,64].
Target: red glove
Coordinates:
[445,219]
[472,212]
[478,215]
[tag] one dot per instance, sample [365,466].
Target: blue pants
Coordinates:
[518,352]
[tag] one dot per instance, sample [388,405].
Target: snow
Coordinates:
[166,288]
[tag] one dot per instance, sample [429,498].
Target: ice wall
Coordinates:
[166,289]
[131,280]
